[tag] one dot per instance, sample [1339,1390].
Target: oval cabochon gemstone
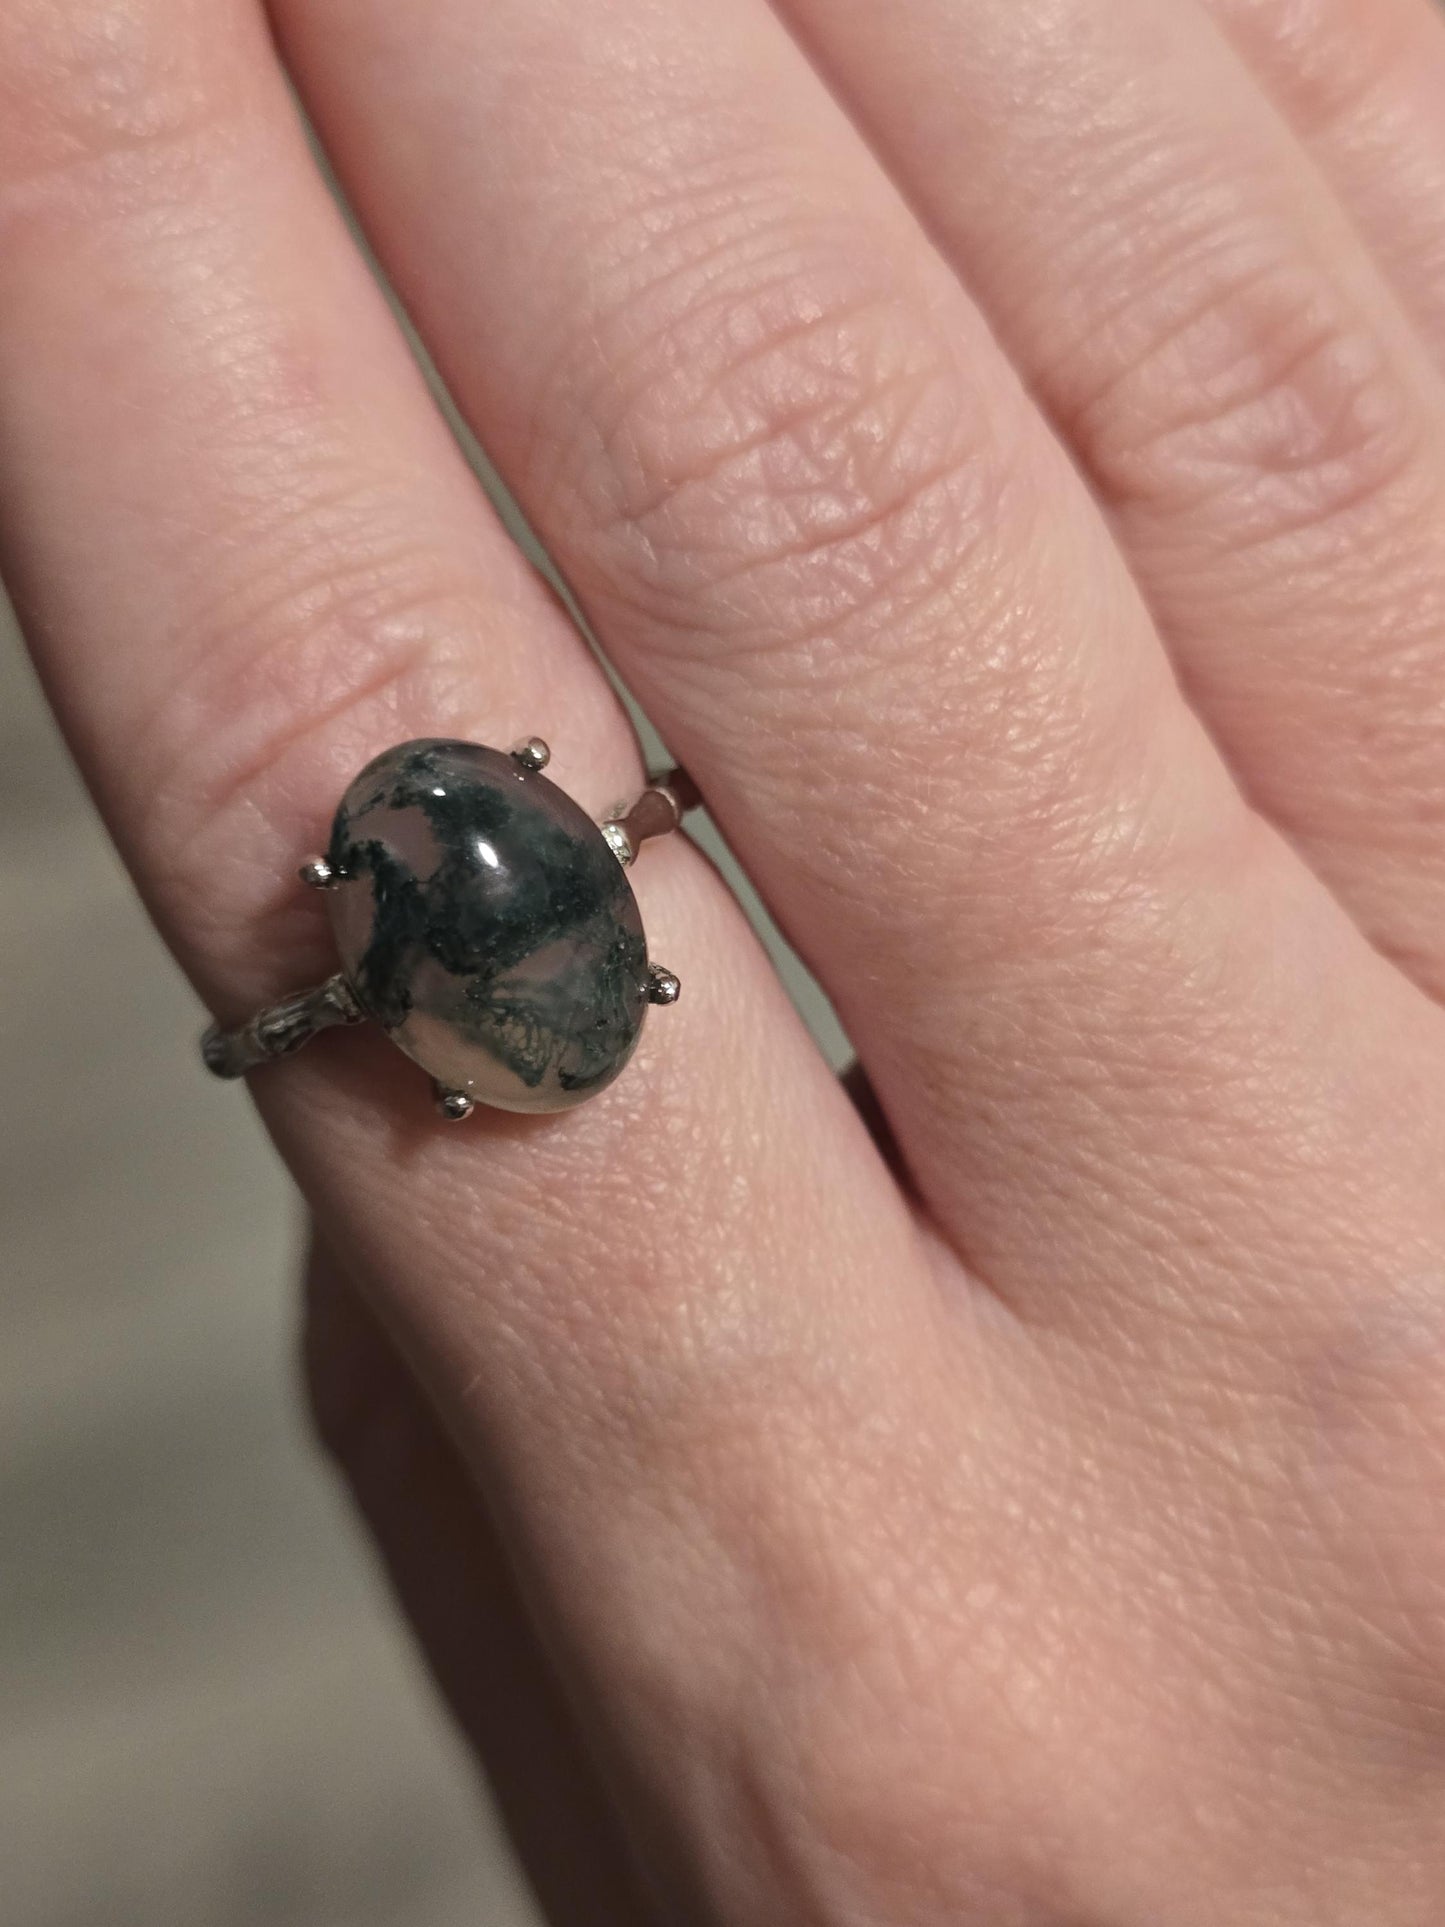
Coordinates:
[483,920]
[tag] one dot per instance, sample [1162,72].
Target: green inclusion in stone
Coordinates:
[484,921]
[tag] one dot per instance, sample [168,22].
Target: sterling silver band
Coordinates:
[292,1021]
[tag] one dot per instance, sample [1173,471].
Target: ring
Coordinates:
[485,922]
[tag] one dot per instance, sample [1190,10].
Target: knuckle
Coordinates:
[1338,58]
[777,460]
[790,435]
[287,682]
[1260,396]
[105,87]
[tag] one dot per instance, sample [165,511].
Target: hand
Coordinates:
[1018,493]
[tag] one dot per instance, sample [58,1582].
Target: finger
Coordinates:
[688,1335]
[246,549]
[1209,331]
[808,508]
[1363,81]
[451,1578]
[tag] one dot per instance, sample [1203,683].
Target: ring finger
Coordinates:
[248,557]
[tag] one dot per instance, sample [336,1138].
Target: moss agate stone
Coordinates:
[484,922]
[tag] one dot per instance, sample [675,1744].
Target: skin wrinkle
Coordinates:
[368,641]
[1077,286]
[1316,467]
[1332,61]
[818,428]
[651,545]
[1365,84]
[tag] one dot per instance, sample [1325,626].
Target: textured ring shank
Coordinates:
[280,1028]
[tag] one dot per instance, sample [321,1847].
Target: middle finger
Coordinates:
[811,512]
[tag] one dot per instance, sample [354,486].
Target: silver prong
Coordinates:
[317,874]
[618,841]
[657,812]
[453,1105]
[663,987]
[532,754]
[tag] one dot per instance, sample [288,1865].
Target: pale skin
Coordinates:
[1003,444]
